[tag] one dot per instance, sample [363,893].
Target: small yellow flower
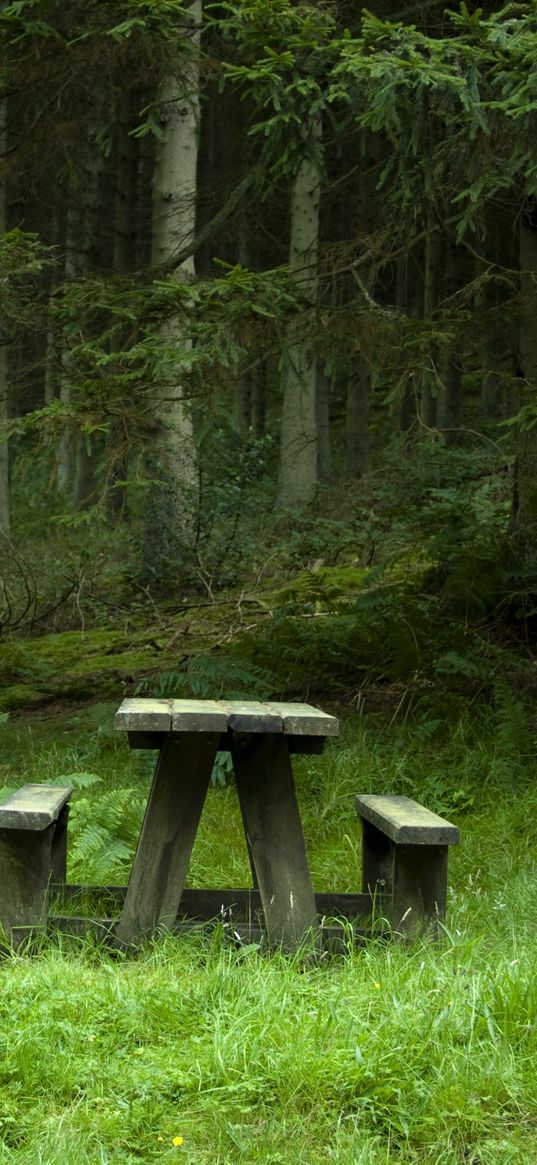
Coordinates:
[376,986]
[161,1139]
[177,1141]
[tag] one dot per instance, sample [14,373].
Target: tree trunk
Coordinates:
[356,417]
[324,451]
[449,402]
[429,377]
[298,445]
[82,252]
[173,501]
[4,376]
[124,259]
[524,507]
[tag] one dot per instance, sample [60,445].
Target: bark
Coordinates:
[173,501]
[498,346]
[429,377]
[124,259]
[324,451]
[4,372]
[524,506]
[405,302]
[449,401]
[298,445]
[82,253]
[356,418]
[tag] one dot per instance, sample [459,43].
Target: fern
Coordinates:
[210,677]
[103,835]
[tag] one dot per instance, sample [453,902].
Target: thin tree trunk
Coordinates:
[173,502]
[124,259]
[298,445]
[449,402]
[356,417]
[429,378]
[75,462]
[524,507]
[324,451]
[4,373]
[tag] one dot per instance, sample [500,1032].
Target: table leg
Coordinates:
[274,834]
[170,824]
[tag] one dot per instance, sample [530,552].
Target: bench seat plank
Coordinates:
[305,720]
[141,715]
[34,807]
[406,822]
[252,716]
[198,716]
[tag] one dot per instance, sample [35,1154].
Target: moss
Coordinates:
[330,588]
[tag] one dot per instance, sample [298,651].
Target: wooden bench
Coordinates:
[405,856]
[33,852]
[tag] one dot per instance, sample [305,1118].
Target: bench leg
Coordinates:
[25,875]
[377,861]
[59,848]
[413,877]
[419,888]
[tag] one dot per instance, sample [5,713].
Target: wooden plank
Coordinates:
[34,807]
[302,745]
[171,820]
[275,838]
[405,821]
[198,716]
[332,939]
[152,741]
[419,889]
[208,904]
[305,720]
[141,715]
[25,867]
[251,716]
[58,857]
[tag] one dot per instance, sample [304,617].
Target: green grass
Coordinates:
[388,1055]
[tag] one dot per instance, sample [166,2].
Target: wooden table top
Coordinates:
[251,716]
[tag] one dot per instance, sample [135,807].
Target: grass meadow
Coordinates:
[199,1053]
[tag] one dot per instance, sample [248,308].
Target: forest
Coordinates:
[268,431]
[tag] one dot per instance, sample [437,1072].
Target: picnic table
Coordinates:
[404,845]
[261,738]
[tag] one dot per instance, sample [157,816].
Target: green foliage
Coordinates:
[210,677]
[103,835]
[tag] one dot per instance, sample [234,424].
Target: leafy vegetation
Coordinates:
[415,1055]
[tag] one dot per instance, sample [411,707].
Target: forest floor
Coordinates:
[199,1052]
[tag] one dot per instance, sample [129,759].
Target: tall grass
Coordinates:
[388,1055]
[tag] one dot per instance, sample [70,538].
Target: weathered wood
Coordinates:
[171,820]
[304,720]
[207,904]
[142,715]
[198,716]
[377,861]
[405,856]
[58,857]
[25,865]
[252,716]
[153,741]
[405,821]
[419,889]
[332,939]
[275,838]
[33,807]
